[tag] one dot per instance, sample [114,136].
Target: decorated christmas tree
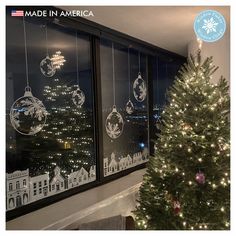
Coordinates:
[187,184]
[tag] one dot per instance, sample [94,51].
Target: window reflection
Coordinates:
[164,71]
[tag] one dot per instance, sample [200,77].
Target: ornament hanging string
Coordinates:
[77,59]
[26,55]
[129,71]
[113,74]
[78,96]
[46,37]
[157,84]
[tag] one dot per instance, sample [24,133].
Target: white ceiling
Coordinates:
[169,27]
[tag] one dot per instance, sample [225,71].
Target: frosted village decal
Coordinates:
[23,189]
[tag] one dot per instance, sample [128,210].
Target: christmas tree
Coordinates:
[187,184]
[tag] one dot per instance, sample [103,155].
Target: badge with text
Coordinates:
[209,26]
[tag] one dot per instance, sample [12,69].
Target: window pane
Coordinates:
[128,147]
[164,72]
[65,143]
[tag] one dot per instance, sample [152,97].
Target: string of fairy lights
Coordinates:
[176,129]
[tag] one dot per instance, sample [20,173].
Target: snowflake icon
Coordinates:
[209,25]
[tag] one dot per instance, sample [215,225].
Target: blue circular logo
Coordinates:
[209,26]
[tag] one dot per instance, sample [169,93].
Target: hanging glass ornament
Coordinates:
[200,177]
[176,206]
[139,89]
[114,124]
[129,107]
[28,114]
[46,67]
[78,97]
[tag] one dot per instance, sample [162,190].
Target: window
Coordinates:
[17,185]
[118,91]
[10,187]
[58,187]
[66,139]
[164,71]
[64,146]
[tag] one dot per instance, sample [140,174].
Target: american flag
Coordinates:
[17,13]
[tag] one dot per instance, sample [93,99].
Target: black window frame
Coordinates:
[96,32]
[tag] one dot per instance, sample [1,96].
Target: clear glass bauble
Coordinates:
[114,124]
[129,107]
[28,114]
[78,97]
[47,68]
[139,89]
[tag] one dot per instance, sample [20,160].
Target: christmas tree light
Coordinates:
[187,184]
